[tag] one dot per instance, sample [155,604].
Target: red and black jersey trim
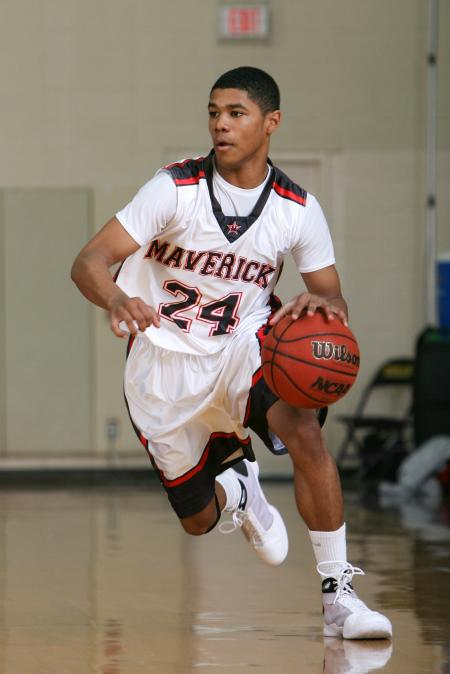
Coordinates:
[287,189]
[187,172]
[192,171]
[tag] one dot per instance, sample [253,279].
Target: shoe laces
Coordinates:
[242,519]
[344,589]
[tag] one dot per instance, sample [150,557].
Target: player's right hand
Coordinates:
[133,313]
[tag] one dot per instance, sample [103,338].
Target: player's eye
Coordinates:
[236,113]
[212,113]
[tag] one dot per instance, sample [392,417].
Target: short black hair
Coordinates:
[259,85]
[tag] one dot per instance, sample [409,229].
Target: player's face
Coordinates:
[239,129]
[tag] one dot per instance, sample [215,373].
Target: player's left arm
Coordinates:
[324,293]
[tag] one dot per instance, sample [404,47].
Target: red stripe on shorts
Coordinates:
[255,379]
[201,464]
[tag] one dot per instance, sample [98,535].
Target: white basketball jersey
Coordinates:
[208,274]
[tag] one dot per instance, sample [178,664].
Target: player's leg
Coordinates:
[319,501]
[259,521]
[317,486]
[237,491]
[204,521]
[196,440]
[228,496]
[200,494]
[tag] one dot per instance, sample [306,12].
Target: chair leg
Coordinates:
[345,444]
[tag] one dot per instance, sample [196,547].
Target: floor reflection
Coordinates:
[105,581]
[355,657]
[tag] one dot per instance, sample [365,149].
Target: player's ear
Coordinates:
[272,121]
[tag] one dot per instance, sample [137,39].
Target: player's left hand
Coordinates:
[309,304]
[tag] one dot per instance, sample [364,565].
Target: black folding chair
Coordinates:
[432,385]
[384,431]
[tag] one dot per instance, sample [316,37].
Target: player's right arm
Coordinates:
[91,273]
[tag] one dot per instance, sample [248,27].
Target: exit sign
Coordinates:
[248,22]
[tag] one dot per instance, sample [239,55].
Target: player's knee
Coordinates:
[193,528]
[305,429]
[305,437]
[202,522]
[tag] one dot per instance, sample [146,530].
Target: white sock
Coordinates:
[331,547]
[232,488]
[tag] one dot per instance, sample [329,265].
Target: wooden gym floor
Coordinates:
[103,580]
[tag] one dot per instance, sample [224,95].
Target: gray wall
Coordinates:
[47,392]
[98,94]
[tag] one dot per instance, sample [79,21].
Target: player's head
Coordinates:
[243,113]
[259,85]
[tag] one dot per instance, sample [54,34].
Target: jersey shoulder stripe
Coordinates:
[187,172]
[287,189]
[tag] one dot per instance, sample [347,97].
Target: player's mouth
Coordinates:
[222,146]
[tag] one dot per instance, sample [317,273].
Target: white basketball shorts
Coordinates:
[192,412]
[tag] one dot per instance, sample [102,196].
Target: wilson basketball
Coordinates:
[310,362]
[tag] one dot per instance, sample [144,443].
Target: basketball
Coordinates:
[310,362]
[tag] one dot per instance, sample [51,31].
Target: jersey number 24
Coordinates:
[220,314]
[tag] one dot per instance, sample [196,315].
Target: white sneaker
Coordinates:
[355,657]
[260,522]
[345,615]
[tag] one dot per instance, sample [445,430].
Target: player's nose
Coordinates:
[221,123]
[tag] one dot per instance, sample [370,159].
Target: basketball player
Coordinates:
[202,244]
